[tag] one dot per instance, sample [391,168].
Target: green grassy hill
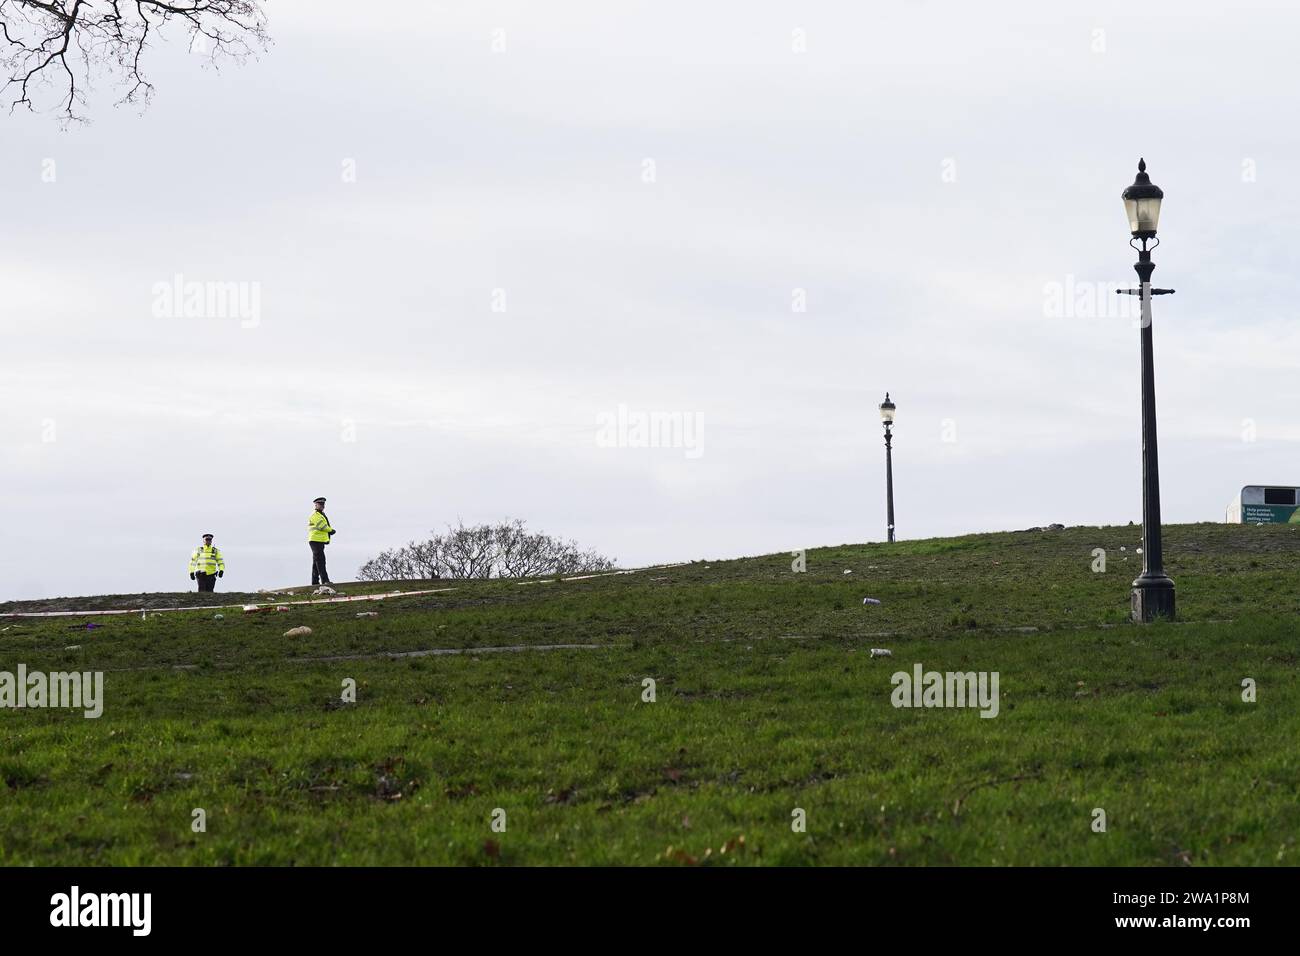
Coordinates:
[767,703]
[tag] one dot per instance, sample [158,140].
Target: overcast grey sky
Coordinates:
[464,260]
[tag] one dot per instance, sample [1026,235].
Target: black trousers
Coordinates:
[207,582]
[318,573]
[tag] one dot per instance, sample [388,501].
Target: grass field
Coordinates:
[767,702]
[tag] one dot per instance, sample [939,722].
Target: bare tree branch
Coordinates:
[46,39]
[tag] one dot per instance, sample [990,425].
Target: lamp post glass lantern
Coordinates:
[887,416]
[1153,591]
[1142,204]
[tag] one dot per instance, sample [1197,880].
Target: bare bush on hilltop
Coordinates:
[504,550]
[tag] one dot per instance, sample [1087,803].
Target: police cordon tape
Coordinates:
[210,607]
[342,599]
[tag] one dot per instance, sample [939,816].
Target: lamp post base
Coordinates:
[1152,598]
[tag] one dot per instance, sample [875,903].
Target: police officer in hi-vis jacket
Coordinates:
[206,565]
[318,535]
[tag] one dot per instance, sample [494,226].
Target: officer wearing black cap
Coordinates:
[319,533]
[207,564]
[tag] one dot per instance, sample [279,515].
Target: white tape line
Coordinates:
[333,600]
[218,607]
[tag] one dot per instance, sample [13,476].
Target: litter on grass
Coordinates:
[871,600]
[297,632]
[881,652]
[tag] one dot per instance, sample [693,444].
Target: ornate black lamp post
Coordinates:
[1153,591]
[887,414]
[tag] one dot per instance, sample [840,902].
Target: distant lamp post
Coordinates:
[887,415]
[1153,591]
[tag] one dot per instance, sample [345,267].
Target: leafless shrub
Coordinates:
[504,550]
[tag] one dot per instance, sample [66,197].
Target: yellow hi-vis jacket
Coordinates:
[206,559]
[318,527]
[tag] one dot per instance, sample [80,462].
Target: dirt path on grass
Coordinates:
[384,655]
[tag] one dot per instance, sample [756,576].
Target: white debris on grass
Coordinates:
[297,632]
[881,652]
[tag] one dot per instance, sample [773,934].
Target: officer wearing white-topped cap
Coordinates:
[319,533]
